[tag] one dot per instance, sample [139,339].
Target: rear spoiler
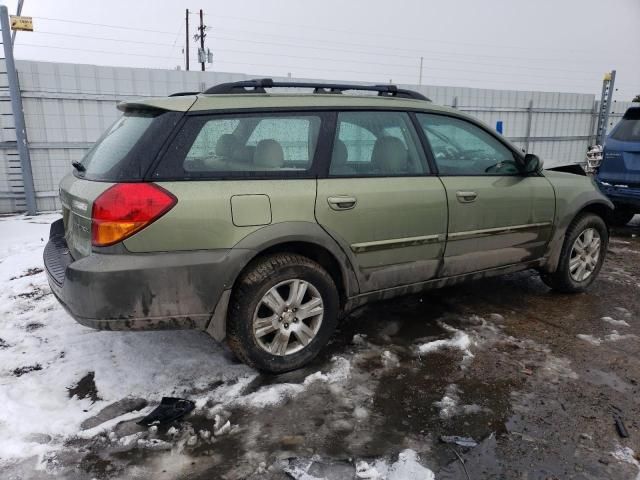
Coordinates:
[175,104]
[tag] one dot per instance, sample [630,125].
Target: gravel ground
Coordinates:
[533,377]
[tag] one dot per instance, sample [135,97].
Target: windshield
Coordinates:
[127,148]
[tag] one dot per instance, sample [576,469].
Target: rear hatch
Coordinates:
[123,154]
[620,165]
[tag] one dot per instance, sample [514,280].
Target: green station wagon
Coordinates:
[263,217]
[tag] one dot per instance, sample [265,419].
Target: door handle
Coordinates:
[466,197]
[342,202]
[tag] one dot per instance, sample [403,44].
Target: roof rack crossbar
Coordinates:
[259,86]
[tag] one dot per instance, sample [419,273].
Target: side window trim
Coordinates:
[517,156]
[317,164]
[425,145]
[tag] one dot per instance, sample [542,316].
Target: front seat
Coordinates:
[268,154]
[390,155]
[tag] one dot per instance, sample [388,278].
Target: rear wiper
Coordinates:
[78,166]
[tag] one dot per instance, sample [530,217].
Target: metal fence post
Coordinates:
[529,122]
[18,113]
[593,136]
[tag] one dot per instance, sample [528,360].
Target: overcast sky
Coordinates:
[548,45]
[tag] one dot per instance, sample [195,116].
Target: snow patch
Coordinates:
[449,405]
[36,404]
[360,339]
[617,323]
[390,359]
[276,394]
[459,341]
[614,336]
[589,338]
[627,455]
[406,467]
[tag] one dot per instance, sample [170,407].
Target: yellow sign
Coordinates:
[21,23]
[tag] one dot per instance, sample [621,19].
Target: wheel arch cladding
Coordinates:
[584,203]
[310,240]
[304,238]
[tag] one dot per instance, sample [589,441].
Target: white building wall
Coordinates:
[68,106]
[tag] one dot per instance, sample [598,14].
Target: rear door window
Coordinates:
[242,145]
[375,144]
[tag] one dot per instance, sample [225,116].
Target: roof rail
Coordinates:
[259,86]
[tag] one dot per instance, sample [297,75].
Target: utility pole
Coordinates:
[18,113]
[202,35]
[420,77]
[18,13]
[187,40]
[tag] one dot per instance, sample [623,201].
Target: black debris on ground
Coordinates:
[18,372]
[85,388]
[30,327]
[30,272]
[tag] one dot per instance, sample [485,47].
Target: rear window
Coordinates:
[127,149]
[628,130]
[242,145]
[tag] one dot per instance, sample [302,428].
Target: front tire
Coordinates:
[582,255]
[282,312]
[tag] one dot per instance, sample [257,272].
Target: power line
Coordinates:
[137,29]
[349,60]
[422,52]
[419,52]
[324,40]
[444,60]
[381,34]
[94,51]
[59,34]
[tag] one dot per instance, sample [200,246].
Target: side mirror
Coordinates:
[532,163]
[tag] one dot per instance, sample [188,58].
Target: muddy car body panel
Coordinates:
[170,218]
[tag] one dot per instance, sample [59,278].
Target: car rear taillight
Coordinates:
[125,209]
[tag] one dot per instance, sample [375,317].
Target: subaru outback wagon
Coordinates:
[261,218]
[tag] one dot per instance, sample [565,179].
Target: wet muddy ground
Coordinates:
[534,377]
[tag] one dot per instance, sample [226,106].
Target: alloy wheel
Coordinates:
[584,255]
[288,317]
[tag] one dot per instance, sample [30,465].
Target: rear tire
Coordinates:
[283,310]
[621,217]
[579,265]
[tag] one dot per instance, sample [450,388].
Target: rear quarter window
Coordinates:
[128,148]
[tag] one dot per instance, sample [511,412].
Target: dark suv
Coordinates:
[619,173]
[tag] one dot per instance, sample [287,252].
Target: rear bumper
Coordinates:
[140,291]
